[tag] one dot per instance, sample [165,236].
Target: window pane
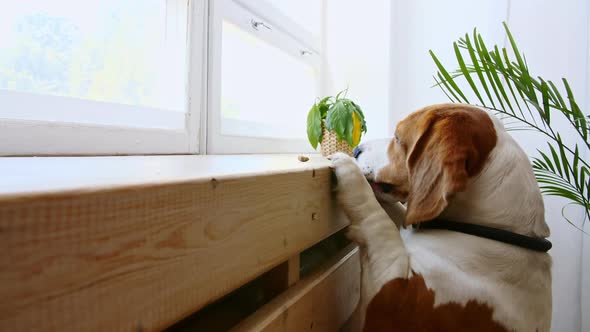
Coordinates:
[128,52]
[265,92]
[304,12]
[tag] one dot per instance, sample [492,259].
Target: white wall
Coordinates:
[585,282]
[554,36]
[421,25]
[359,62]
[558,48]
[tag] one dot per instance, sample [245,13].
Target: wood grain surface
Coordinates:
[140,257]
[322,302]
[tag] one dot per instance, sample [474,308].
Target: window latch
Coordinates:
[305,53]
[257,24]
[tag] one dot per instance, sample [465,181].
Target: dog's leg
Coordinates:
[396,212]
[382,252]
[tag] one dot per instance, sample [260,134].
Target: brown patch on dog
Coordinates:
[408,305]
[435,152]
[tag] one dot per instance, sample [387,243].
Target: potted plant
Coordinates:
[336,123]
[525,102]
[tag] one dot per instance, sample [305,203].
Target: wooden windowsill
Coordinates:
[26,176]
[138,243]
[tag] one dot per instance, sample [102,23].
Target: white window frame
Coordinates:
[283,33]
[129,129]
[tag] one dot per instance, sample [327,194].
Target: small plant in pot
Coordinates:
[336,123]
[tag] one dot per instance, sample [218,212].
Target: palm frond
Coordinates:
[523,101]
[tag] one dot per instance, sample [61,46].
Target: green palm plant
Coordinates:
[504,84]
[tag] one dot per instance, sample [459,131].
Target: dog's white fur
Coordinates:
[513,281]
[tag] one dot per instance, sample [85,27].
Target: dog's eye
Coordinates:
[396,139]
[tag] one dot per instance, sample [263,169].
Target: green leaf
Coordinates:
[510,74]
[448,77]
[488,68]
[519,58]
[557,94]
[582,178]
[514,78]
[359,113]
[477,68]
[350,128]
[563,192]
[555,159]
[345,91]
[554,101]
[339,120]
[449,89]
[525,77]
[496,56]
[528,83]
[570,95]
[324,106]
[314,126]
[545,94]
[325,100]
[547,160]
[466,72]
[564,160]
[582,181]
[500,65]
[579,120]
[538,163]
[490,57]
[576,160]
[442,88]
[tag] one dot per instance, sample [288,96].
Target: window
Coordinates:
[96,77]
[183,76]
[265,73]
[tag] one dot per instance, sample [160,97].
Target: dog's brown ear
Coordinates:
[452,147]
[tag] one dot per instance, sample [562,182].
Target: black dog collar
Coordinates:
[528,242]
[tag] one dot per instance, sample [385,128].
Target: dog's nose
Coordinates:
[357,151]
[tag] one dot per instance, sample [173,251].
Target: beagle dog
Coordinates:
[472,254]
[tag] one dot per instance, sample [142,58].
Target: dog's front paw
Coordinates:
[353,190]
[346,170]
